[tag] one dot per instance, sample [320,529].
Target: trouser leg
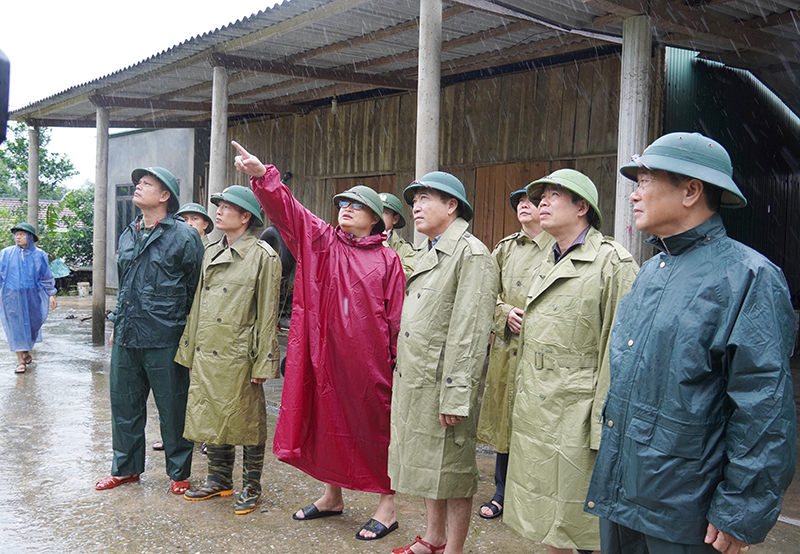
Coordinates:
[220,464]
[618,539]
[500,470]
[129,387]
[252,464]
[170,384]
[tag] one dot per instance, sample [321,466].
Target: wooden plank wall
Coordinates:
[559,115]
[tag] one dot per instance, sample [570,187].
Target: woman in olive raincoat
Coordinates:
[230,343]
[516,256]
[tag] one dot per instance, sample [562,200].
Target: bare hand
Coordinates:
[247,163]
[53,303]
[257,381]
[514,320]
[724,542]
[452,420]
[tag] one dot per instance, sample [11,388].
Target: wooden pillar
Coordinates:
[100,231]
[33,176]
[218,160]
[634,120]
[428,90]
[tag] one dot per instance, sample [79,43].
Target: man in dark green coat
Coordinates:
[158,267]
[698,441]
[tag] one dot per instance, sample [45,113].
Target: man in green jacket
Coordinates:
[393,219]
[231,346]
[562,373]
[441,349]
[158,265]
[699,437]
[517,257]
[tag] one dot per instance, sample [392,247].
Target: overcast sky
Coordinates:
[54,45]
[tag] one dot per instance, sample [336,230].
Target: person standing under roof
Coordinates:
[393,219]
[158,266]
[230,344]
[196,215]
[517,257]
[27,293]
[699,435]
[562,373]
[447,317]
[348,295]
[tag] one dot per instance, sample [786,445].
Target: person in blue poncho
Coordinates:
[27,293]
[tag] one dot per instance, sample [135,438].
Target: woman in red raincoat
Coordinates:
[348,295]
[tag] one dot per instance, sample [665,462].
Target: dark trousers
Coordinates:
[618,539]
[500,470]
[134,372]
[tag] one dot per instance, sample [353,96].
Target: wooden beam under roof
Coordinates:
[116,124]
[182,106]
[308,72]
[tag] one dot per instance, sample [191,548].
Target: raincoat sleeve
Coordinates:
[468,332]
[501,311]
[266,354]
[760,433]
[393,301]
[46,281]
[295,223]
[192,266]
[186,345]
[618,276]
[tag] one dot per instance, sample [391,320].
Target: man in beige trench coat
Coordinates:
[562,373]
[441,349]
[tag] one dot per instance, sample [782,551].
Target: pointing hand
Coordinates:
[247,163]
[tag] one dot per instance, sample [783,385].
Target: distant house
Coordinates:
[9,207]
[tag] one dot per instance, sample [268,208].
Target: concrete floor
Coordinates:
[54,423]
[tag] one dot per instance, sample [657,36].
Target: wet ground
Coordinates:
[56,436]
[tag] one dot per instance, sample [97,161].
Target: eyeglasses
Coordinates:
[349,203]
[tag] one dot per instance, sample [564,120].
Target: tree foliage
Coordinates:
[54,168]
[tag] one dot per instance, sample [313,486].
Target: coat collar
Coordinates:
[712,228]
[241,247]
[366,242]
[549,272]
[429,258]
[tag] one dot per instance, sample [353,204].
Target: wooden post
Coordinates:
[428,90]
[33,176]
[100,231]
[218,160]
[634,120]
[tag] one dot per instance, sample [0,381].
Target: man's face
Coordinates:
[557,212]
[197,221]
[355,218]
[390,219]
[21,239]
[149,194]
[432,216]
[657,204]
[229,218]
[526,212]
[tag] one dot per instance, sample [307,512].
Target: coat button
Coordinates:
[224,289]
[662,264]
[197,349]
[406,334]
[219,320]
[449,380]
[590,504]
[399,374]
[208,288]
[515,352]
[610,423]
[214,352]
[630,343]
[519,284]
[128,302]
[185,342]
[269,356]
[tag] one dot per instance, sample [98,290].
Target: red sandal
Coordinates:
[407,549]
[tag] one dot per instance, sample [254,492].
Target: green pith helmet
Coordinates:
[242,197]
[364,195]
[572,180]
[25,227]
[393,203]
[692,155]
[443,182]
[166,178]
[515,197]
[195,208]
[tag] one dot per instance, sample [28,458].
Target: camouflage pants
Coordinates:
[220,464]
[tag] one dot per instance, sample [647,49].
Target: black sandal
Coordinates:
[496,510]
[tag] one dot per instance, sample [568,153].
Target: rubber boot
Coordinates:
[220,473]
[252,465]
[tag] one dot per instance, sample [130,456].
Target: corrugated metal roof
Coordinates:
[364,39]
